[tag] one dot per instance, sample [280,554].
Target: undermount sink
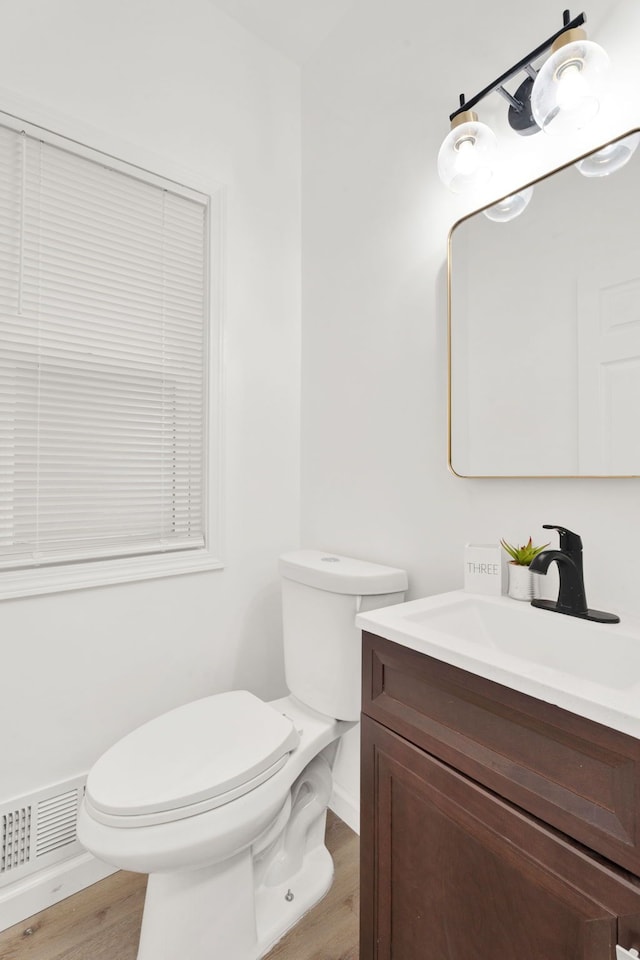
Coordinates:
[588,668]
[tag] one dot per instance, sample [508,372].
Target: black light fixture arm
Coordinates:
[511,100]
[523,65]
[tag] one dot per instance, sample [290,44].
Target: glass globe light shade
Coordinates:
[611,158]
[509,208]
[566,91]
[466,156]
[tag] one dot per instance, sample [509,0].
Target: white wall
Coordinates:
[375,106]
[181,85]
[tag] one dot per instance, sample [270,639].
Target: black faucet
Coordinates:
[572,599]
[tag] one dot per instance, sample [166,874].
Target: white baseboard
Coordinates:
[42,889]
[346,807]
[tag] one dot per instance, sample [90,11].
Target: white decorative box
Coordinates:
[485,569]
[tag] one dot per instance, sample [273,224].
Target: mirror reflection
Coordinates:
[544,315]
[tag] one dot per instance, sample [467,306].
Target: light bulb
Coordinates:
[566,91]
[572,87]
[466,156]
[467,160]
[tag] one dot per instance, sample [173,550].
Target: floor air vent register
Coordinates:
[39,830]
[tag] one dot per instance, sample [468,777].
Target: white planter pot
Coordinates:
[523,583]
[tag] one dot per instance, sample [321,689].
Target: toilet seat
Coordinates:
[194,758]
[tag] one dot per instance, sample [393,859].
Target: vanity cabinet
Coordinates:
[492,824]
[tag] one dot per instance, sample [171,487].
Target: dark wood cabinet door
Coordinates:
[576,775]
[452,872]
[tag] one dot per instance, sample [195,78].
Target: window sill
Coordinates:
[77,576]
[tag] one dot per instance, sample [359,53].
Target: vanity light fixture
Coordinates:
[566,92]
[559,95]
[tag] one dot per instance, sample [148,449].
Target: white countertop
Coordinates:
[590,669]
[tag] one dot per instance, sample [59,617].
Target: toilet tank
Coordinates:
[321,595]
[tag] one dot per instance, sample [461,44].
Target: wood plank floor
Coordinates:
[103,921]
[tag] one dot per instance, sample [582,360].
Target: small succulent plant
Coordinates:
[522,556]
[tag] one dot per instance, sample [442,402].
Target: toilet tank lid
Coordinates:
[337,574]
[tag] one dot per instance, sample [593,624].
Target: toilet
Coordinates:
[223,801]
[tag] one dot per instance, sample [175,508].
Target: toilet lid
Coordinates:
[193,753]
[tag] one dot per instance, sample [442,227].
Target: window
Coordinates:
[103,349]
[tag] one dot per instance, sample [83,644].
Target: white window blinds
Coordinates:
[103,306]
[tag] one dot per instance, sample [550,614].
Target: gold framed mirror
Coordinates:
[544,326]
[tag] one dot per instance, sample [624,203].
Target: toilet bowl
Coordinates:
[223,801]
[198,830]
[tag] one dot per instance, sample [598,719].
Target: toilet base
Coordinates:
[279,908]
[200,914]
[215,912]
